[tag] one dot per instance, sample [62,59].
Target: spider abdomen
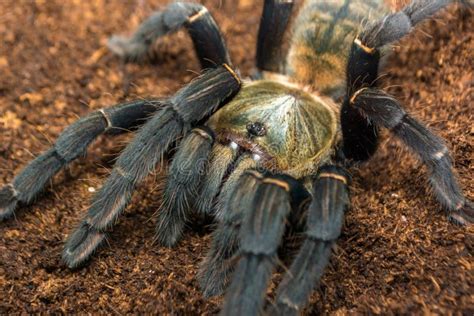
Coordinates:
[323,34]
[272,119]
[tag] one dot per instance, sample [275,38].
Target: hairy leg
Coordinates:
[218,264]
[187,170]
[361,136]
[221,160]
[202,28]
[383,110]
[72,143]
[260,235]
[275,18]
[324,222]
[189,106]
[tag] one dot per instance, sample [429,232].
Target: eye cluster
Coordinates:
[256,129]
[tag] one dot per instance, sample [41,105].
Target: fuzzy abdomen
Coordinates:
[322,38]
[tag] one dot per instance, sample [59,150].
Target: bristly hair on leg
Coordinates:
[188,167]
[324,224]
[232,206]
[207,38]
[385,111]
[190,105]
[260,235]
[71,144]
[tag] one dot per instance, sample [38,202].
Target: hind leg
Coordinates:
[275,18]
[207,38]
[360,135]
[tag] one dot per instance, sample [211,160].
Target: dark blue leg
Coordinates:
[275,18]
[189,106]
[383,110]
[72,143]
[187,170]
[208,42]
[324,222]
[360,135]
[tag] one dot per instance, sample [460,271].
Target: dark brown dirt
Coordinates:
[397,255]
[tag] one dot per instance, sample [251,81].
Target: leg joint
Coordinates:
[13,190]
[365,48]
[192,18]
[106,118]
[333,176]
[59,157]
[279,183]
[176,114]
[205,132]
[254,173]
[335,172]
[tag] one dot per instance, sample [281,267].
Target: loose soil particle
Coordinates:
[397,254]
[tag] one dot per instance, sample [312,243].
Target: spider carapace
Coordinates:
[252,153]
[286,117]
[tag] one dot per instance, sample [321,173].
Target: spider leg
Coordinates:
[221,159]
[218,264]
[274,21]
[385,111]
[72,143]
[187,170]
[324,222]
[232,205]
[205,34]
[396,25]
[260,234]
[361,136]
[192,104]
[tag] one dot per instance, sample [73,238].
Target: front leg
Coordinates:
[260,235]
[187,107]
[325,218]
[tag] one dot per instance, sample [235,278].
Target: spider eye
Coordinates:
[256,129]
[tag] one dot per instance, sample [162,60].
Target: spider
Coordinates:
[262,156]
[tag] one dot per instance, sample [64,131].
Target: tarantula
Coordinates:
[260,155]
